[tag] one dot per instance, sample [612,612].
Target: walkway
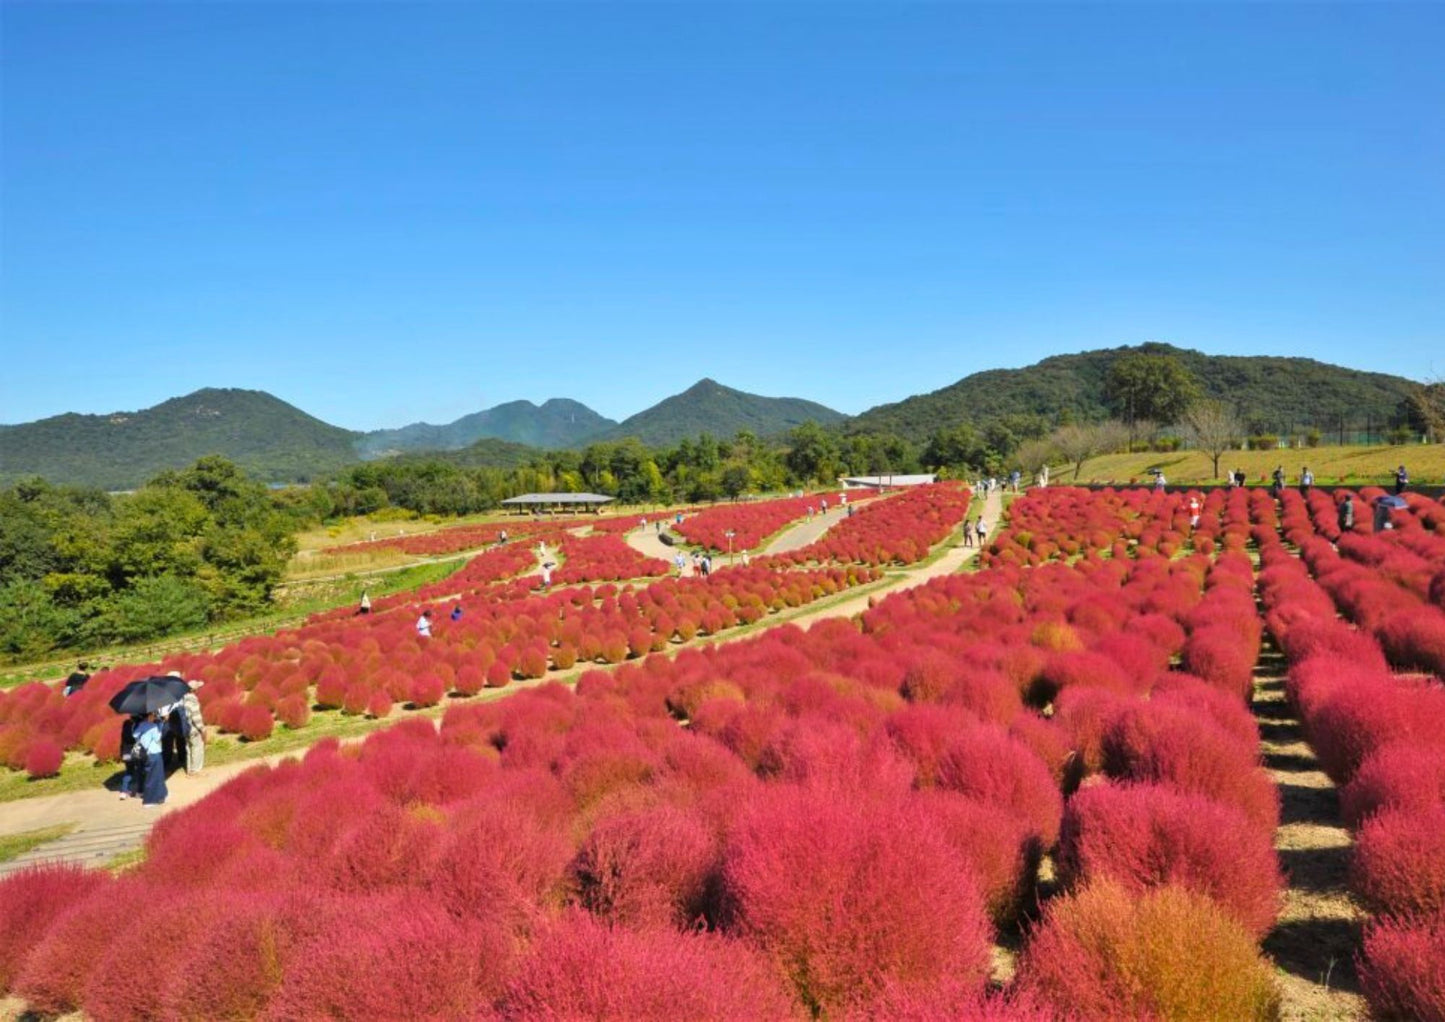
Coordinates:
[108,826]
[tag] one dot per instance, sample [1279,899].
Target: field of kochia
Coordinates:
[1054,754]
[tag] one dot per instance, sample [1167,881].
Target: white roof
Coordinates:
[890,480]
[559,498]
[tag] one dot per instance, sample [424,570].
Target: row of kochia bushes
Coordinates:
[371,663]
[1381,736]
[751,523]
[835,823]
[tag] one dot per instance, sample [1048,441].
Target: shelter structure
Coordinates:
[574,503]
[886,482]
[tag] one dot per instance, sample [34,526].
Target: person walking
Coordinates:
[133,758]
[547,567]
[456,614]
[77,679]
[1306,480]
[148,740]
[1347,513]
[967,534]
[423,625]
[365,607]
[1402,480]
[982,531]
[1278,482]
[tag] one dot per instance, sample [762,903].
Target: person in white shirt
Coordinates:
[423,625]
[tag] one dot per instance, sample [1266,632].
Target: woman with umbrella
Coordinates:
[144,699]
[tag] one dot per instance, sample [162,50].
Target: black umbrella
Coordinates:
[148,694]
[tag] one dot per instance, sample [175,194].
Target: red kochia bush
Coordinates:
[1401,775]
[1222,656]
[1365,714]
[31,900]
[53,976]
[848,896]
[43,759]
[1166,953]
[1398,866]
[652,866]
[582,969]
[989,765]
[389,951]
[256,723]
[1147,835]
[1402,969]
[1173,745]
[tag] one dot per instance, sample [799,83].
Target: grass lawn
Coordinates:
[1331,465]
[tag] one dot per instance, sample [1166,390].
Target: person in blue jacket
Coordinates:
[148,738]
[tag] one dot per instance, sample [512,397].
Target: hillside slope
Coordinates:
[709,407]
[268,437]
[559,422]
[1272,393]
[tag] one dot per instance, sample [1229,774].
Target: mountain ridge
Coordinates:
[710,407]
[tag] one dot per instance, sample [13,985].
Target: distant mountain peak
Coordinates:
[710,407]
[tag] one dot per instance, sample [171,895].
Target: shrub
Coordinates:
[391,950]
[1414,639]
[564,656]
[848,897]
[293,712]
[649,867]
[1143,836]
[426,690]
[1398,865]
[583,969]
[1172,745]
[1223,657]
[1401,775]
[929,677]
[31,900]
[1359,717]
[379,705]
[43,758]
[998,846]
[1402,969]
[1166,953]
[256,723]
[499,675]
[988,764]
[52,977]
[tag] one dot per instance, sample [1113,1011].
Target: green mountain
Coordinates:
[709,407]
[488,452]
[263,434]
[559,422]
[1272,394]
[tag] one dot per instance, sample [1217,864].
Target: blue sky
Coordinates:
[392,212]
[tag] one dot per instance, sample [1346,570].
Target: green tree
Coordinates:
[1143,386]
[812,453]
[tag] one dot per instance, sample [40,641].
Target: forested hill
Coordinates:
[709,407]
[1272,394]
[559,422]
[271,439]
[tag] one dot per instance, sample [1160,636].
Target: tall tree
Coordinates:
[1212,427]
[1077,444]
[1146,386]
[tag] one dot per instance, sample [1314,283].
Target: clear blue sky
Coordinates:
[391,212]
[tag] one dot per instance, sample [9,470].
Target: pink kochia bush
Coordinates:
[1398,866]
[1145,835]
[1402,968]
[849,897]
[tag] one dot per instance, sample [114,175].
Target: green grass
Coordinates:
[123,861]
[1331,465]
[12,846]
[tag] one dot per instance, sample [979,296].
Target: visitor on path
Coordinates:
[1194,512]
[679,518]
[423,625]
[842,500]
[746,559]
[148,740]
[706,565]
[365,607]
[1278,485]
[1347,513]
[679,562]
[502,537]
[195,728]
[850,510]
[173,732]
[1306,480]
[1013,479]
[982,532]
[1239,478]
[824,505]
[77,679]
[1402,480]
[547,567]
[130,784]
[967,534]
[1158,481]
[457,612]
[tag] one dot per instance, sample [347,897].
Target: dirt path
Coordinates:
[805,532]
[107,826]
[1315,940]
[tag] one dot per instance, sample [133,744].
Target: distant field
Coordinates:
[1426,465]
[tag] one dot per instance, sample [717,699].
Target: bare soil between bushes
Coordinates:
[1314,942]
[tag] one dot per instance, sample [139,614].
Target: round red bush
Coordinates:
[649,867]
[1402,969]
[1401,775]
[43,758]
[33,899]
[256,723]
[1145,835]
[1398,865]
